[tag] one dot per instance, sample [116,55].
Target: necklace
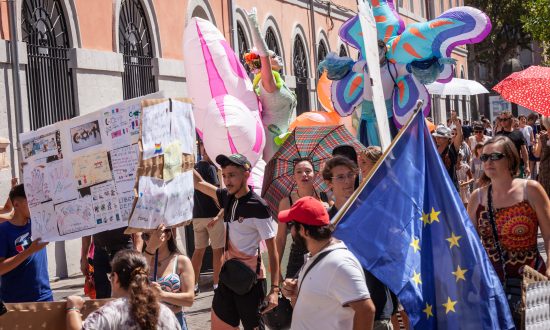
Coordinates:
[164,259]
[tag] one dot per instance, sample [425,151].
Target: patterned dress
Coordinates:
[517,228]
[544,169]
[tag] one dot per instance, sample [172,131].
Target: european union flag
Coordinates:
[409,228]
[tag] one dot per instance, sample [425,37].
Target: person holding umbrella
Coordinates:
[304,176]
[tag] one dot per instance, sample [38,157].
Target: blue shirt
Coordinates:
[28,282]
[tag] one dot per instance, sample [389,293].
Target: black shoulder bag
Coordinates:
[235,274]
[512,286]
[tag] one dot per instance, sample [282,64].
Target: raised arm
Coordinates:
[203,186]
[268,81]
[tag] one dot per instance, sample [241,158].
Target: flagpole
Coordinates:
[377,165]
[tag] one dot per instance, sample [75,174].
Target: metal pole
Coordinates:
[14,52]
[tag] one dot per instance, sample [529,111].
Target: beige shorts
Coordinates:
[204,234]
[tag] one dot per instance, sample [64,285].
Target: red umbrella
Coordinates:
[529,88]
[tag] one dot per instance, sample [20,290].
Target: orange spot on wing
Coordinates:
[394,44]
[356,82]
[440,22]
[380,19]
[410,49]
[375,3]
[417,33]
[389,33]
[401,86]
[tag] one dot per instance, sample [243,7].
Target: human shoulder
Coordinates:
[535,191]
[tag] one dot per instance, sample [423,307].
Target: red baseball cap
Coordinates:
[308,211]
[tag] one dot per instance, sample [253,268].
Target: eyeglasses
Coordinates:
[478,132]
[110,276]
[493,156]
[342,178]
[290,224]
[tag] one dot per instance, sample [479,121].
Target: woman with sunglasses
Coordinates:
[171,273]
[136,304]
[508,213]
[304,177]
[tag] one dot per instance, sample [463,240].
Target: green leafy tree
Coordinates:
[536,21]
[507,37]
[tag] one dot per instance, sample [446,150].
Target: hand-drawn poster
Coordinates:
[75,216]
[41,145]
[149,210]
[172,161]
[81,172]
[105,204]
[44,222]
[183,123]
[60,182]
[125,203]
[85,135]
[35,189]
[91,169]
[124,162]
[179,203]
[155,129]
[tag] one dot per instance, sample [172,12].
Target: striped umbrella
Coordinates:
[314,143]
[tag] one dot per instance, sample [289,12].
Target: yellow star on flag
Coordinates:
[425,218]
[434,216]
[449,305]
[428,311]
[460,273]
[415,244]
[416,278]
[453,240]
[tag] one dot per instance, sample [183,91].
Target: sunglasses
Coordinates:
[493,156]
[505,119]
[478,132]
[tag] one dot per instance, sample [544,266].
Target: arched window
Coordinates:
[322,52]
[137,50]
[49,79]
[299,58]
[243,45]
[199,12]
[343,51]
[271,41]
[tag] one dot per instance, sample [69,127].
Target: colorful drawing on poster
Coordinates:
[155,129]
[40,146]
[85,135]
[179,203]
[91,169]
[149,210]
[122,124]
[60,182]
[172,161]
[125,203]
[36,189]
[124,162]
[75,216]
[43,223]
[182,127]
[105,203]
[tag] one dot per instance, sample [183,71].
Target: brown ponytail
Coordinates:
[131,268]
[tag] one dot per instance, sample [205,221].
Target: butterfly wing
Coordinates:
[406,92]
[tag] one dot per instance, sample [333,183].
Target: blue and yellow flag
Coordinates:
[409,228]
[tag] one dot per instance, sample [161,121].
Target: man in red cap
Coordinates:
[330,292]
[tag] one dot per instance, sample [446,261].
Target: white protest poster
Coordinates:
[149,210]
[155,129]
[125,161]
[165,193]
[179,199]
[80,173]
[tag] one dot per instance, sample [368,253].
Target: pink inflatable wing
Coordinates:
[213,69]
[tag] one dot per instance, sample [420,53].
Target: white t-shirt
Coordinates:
[527,131]
[331,284]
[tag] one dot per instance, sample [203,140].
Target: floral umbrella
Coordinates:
[529,88]
[314,143]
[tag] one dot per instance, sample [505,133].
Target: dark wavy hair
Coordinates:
[510,154]
[132,270]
